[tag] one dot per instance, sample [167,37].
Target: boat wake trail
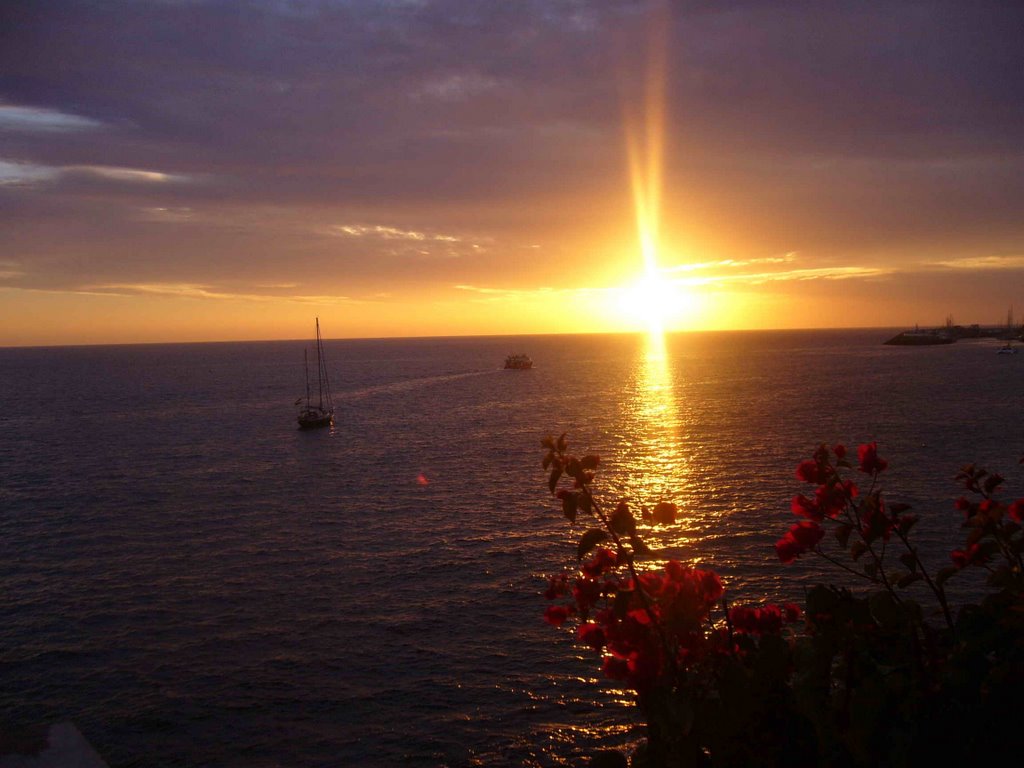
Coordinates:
[408,384]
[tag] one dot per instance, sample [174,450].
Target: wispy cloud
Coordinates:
[10,269]
[206,292]
[757,271]
[42,120]
[984,262]
[496,294]
[457,87]
[131,175]
[802,275]
[730,263]
[17,172]
[170,215]
[390,233]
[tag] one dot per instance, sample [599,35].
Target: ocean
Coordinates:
[195,582]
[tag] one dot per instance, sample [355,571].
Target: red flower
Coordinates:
[867,457]
[586,593]
[769,620]
[805,507]
[591,634]
[766,620]
[973,555]
[801,537]
[615,667]
[602,561]
[811,471]
[1016,510]
[905,523]
[555,615]
[557,586]
[741,618]
[875,522]
[964,506]
[831,499]
[839,450]
[792,610]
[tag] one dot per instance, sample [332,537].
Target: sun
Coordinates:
[655,304]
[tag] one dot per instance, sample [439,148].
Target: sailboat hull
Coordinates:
[313,418]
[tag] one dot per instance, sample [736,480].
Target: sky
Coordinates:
[191,170]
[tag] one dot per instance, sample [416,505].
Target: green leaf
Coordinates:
[886,611]
[843,534]
[1001,577]
[548,442]
[664,513]
[569,503]
[623,599]
[574,469]
[590,461]
[909,578]
[589,540]
[562,443]
[992,482]
[548,458]
[989,548]
[640,550]
[857,549]
[586,503]
[622,520]
[821,599]
[556,473]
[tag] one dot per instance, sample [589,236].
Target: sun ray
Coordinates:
[645,136]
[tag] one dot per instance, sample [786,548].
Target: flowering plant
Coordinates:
[847,680]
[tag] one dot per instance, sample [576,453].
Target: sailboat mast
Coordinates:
[319,365]
[305,362]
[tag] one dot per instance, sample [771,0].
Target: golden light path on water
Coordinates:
[657,465]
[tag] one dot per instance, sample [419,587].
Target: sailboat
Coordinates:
[320,414]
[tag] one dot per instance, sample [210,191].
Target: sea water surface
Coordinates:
[195,582]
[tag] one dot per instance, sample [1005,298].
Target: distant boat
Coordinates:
[1007,349]
[917,338]
[321,414]
[519,362]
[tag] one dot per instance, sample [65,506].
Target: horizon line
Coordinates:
[472,336]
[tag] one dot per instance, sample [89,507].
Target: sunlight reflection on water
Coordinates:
[657,463]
